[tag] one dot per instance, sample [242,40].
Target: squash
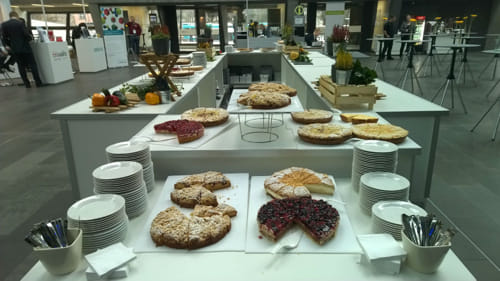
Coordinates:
[152,98]
[98,100]
[294,55]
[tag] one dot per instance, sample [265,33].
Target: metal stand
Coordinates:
[464,66]
[492,88]
[430,60]
[494,73]
[380,59]
[410,71]
[495,130]
[265,124]
[450,82]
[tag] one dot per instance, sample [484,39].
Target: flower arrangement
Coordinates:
[344,60]
[160,31]
[287,35]
[340,34]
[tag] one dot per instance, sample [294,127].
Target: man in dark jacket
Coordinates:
[16,37]
[389,33]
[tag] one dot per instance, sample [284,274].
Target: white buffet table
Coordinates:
[241,266]
[91,55]
[53,61]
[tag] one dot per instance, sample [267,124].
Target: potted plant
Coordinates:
[160,39]
[288,39]
[362,75]
[340,35]
[341,70]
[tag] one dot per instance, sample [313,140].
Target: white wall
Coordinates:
[332,20]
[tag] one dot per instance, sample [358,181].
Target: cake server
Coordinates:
[289,241]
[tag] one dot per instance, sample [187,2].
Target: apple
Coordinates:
[106,12]
[113,19]
[120,20]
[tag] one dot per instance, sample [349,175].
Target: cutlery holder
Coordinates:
[59,261]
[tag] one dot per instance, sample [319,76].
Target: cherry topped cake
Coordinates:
[316,217]
[185,130]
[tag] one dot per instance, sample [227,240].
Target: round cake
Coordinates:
[207,116]
[316,217]
[297,182]
[173,229]
[312,116]
[273,88]
[181,73]
[384,132]
[264,100]
[324,133]
[185,130]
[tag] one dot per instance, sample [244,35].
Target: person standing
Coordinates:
[388,33]
[406,30]
[16,36]
[134,31]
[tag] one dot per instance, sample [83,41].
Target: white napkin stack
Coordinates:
[118,273]
[105,261]
[381,252]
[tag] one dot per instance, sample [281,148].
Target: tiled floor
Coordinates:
[34,181]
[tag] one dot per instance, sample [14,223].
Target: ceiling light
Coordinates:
[79,5]
[40,5]
[14,6]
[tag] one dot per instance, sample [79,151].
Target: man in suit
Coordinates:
[16,37]
[388,33]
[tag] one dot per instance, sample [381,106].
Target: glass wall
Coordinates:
[60,23]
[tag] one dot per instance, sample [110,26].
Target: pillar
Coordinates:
[290,11]
[494,24]
[94,11]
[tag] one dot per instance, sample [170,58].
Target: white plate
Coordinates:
[391,211]
[96,207]
[385,181]
[376,146]
[117,170]
[128,147]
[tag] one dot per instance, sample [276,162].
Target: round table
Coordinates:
[450,79]
[429,61]
[410,70]
[380,55]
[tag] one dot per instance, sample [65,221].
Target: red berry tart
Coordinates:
[186,130]
[316,217]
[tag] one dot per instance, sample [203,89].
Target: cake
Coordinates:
[312,116]
[384,132]
[207,116]
[207,211]
[191,196]
[210,180]
[316,217]
[274,88]
[185,130]
[173,229]
[193,68]
[181,73]
[324,133]
[183,61]
[357,118]
[264,100]
[297,182]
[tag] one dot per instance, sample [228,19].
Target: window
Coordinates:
[76,19]
[53,20]
[186,25]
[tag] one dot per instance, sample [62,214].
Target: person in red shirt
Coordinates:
[134,31]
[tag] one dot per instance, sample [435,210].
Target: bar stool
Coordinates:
[450,79]
[430,60]
[380,59]
[496,55]
[495,130]
[464,64]
[410,69]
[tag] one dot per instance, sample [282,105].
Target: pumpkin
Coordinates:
[152,98]
[294,55]
[98,100]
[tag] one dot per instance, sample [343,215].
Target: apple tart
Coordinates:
[385,132]
[264,100]
[274,88]
[207,116]
[297,182]
[324,133]
[312,116]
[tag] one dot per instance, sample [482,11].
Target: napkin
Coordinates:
[380,247]
[385,266]
[121,272]
[110,258]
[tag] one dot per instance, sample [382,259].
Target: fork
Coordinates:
[290,241]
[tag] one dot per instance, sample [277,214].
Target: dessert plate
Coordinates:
[96,207]
[391,211]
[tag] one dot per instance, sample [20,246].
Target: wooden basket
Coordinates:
[288,49]
[339,95]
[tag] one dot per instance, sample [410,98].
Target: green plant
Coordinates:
[160,31]
[287,35]
[343,60]
[362,75]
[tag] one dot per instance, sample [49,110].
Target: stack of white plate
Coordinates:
[381,186]
[102,219]
[134,151]
[125,179]
[373,156]
[386,216]
[199,58]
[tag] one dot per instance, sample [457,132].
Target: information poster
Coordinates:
[116,48]
[112,18]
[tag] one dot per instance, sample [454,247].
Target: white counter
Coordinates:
[53,61]
[242,266]
[90,54]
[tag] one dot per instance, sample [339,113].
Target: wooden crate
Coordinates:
[339,95]
[289,49]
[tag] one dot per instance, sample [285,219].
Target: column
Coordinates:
[494,24]
[290,11]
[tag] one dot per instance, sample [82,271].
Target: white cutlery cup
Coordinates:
[424,259]
[59,261]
